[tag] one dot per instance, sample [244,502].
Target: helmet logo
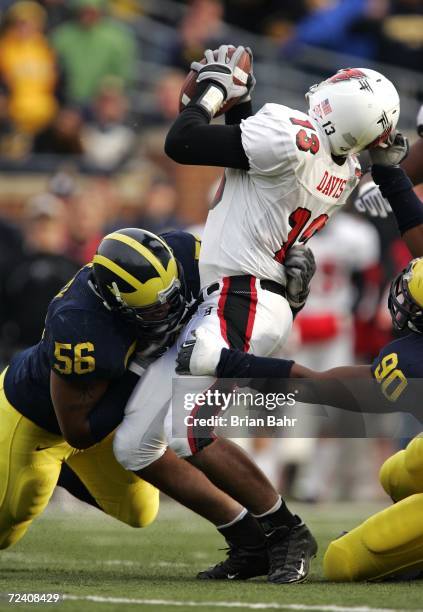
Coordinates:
[365,85]
[347,74]
[387,129]
[384,121]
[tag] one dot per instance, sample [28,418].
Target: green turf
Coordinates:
[86,553]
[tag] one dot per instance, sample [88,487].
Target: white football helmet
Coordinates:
[357,108]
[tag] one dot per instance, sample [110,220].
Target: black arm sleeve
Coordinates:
[237,364]
[237,113]
[397,188]
[191,140]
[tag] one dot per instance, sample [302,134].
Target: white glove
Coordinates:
[251,83]
[300,267]
[371,201]
[221,71]
[199,356]
[391,154]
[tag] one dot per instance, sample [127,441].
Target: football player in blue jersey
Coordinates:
[133,296]
[391,541]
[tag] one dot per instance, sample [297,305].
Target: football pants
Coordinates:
[30,463]
[388,543]
[239,312]
[402,474]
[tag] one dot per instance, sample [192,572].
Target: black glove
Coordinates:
[184,357]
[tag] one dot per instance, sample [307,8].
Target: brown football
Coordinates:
[242,70]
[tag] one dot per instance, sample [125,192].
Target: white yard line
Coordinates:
[226,604]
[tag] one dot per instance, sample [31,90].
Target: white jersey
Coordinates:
[291,189]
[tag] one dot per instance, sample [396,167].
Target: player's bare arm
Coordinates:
[73,401]
[353,371]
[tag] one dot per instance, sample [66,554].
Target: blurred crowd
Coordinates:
[64,74]
[85,103]
[66,68]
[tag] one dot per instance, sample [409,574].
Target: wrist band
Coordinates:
[209,97]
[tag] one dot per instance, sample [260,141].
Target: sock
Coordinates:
[240,516]
[273,509]
[277,516]
[245,532]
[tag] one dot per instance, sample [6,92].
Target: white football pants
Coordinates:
[241,312]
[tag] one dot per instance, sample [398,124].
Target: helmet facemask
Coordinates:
[405,312]
[155,320]
[138,277]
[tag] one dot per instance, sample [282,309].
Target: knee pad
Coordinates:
[387,543]
[402,474]
[136,457]
[414,462]
[141,506]
[394,478]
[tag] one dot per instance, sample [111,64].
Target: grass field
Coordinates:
[99,564]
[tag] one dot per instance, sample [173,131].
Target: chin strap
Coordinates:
[95,290]
[117,295]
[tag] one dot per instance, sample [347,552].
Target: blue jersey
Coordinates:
[397,362]
[83,339]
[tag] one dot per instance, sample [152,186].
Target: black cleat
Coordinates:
[242,563]
[290,553]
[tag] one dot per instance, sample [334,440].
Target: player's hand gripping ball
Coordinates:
[230,67]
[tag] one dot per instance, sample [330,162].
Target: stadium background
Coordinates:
[88,89]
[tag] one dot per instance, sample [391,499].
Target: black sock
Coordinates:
[282,517]
[246,532]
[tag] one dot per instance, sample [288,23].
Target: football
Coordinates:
[241,73]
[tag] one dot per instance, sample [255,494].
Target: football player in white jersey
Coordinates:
[286,173]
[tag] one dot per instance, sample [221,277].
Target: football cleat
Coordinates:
[242,563]
[290,553]
[409,575]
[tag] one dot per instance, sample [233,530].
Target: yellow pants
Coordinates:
[402,474]
[30,463]
[391,541]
